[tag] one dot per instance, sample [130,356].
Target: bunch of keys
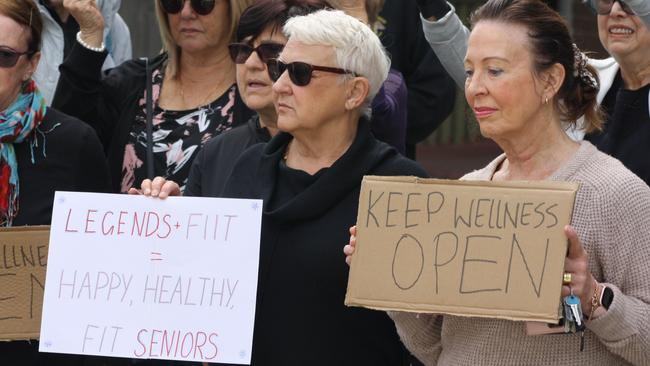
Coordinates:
[573,319]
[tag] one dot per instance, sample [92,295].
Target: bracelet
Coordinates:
[595,300]
[101,48]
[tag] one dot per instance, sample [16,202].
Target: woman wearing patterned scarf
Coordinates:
[41,150]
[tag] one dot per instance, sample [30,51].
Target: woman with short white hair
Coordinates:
[309,177]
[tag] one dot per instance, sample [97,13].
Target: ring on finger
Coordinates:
[566,278]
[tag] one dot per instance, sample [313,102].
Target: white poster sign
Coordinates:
[130,276]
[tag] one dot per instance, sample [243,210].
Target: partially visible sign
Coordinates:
[468,248]
[130,276]
[23,257]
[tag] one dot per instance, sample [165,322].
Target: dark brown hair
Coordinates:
[263,13]
[550,44]
[25,13]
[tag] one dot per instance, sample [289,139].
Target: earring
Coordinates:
[545,100]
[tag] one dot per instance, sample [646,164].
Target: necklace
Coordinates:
[208,98]
[286,152]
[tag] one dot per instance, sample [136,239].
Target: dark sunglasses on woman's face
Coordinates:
[201,7]
[9,57]
[604,7]
[299,72]
[240,52]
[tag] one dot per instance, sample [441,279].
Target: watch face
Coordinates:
[607,298]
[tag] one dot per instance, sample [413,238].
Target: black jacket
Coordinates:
[68,157]
[214,163]
[300,315]
[626,132]
[108,102]
[431,92]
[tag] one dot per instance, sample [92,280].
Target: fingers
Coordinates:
[156,186]
[145,187]
[134,192]
[350,247]
[575,247]
[169,188]
[159,187]
[577,264]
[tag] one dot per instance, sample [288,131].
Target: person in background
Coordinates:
[194,95]
[625,83]
[431,92]
[42,150]
[59,35]
[624,91]
[309,177]
[389,108]
[260,26]
[259,39]
[525,80]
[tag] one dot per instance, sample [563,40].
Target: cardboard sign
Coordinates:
[137,277]
[465,248]
[23,257]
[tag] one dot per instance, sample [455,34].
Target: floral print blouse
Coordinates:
[177,136]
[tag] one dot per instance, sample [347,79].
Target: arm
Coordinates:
[389,112]
[81,91]
[420,333]
[431,91]
[642,9]
[625,327]
[448,39]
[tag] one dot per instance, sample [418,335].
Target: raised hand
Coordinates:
[90,19]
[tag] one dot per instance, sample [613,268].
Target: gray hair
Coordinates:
[356,46]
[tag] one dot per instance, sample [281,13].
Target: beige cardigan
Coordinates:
[612,218]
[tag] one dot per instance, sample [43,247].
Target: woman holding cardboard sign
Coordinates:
[524,79]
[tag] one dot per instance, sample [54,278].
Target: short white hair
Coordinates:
[356,46]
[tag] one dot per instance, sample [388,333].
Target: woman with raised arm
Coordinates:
[194,96]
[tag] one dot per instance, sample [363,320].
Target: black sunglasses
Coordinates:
[240,52]
[201,7]
[9,57]
[604,7]
[299,72]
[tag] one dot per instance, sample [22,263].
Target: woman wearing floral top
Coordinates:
[193,89]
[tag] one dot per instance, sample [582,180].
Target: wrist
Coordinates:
[433,10]
[600,301]
[91,41]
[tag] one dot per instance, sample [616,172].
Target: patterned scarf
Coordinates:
[16,124]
